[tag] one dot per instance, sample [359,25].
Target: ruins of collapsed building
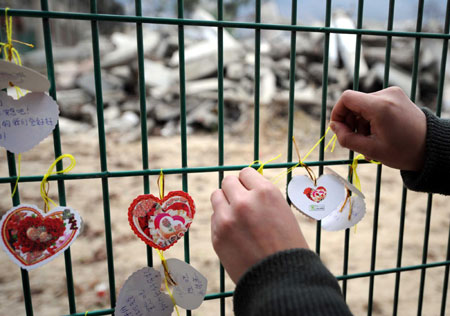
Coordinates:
[76,89]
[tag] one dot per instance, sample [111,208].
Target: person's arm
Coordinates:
[290,282]
[261,246]
[388,127]
[435,174]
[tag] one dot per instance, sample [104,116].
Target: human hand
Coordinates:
[251,221]
[384,125]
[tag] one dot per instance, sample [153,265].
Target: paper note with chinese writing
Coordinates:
[24,123]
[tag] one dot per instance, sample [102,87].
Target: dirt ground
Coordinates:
[88,252]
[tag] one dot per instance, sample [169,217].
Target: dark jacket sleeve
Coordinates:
[435,175]
[291,282]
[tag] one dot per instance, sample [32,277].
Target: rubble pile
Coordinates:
[75,83]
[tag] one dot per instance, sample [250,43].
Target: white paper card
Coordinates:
[339,220]
[316,201]
[347,183]
[22,77]
[24,123]
[190,289]
[141,295]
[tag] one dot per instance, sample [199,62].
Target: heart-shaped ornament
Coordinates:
[316,201]
[346,183]
[161,223]
[32,238]
[190,285]
[22,77]
[24,123]
[338,220]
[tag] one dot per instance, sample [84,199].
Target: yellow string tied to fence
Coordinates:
[44,183]
[353,167]
[261,167]
[167,278]
[331,142]
[12,54]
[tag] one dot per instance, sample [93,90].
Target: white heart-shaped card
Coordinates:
[339,220]
[25,122]
[190,289]
[141,295]
[22,77]
[347,183]
[316,201]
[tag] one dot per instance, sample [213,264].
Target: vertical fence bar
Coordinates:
[351,154]
[446,277]
[291,105]
[257,81]
[10,157]
[438,113]
[220,130]
[58,150]
[414,80]
[143,111]
[183,118]
[103,156]
[425,253]
[323,114]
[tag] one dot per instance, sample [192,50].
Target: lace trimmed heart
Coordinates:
[32,238]
[161,223]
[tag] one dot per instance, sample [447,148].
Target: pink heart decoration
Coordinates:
[32,238]
[161,223]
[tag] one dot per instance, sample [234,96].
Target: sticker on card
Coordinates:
[189,287]
[316,201]
[161,223]
[32,238]
[346,183]
[141,295]
[25,122]
[340,220]
[22,77]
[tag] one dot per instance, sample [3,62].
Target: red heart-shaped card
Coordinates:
[160,223]
[32,238]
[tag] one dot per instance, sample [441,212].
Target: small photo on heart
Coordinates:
[160,224]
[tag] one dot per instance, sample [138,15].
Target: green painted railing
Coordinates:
[104,174]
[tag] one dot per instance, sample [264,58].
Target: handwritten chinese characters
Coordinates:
[24,123]
[141,295]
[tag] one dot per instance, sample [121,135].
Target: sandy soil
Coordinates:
[48,284]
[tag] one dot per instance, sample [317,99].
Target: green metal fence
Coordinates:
[45,15]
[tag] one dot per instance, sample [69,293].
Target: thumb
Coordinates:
[353,141]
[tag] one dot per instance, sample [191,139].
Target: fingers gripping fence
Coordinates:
[93,17]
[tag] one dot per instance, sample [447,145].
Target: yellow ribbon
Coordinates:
[353,167]
[167,276]
[260,169]
[19,158]
[10,52]
[331,142]
[160,253]
[44,182]
[161,185]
